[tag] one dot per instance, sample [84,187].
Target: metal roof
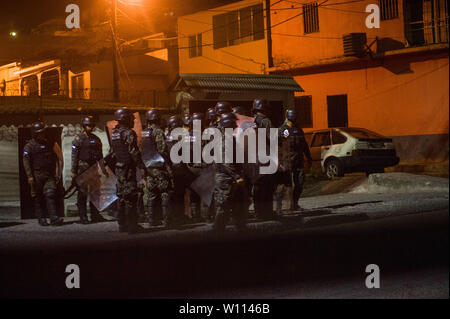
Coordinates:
[237,82]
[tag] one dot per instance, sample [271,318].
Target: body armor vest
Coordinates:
[148,141]
[90,149]
[119,146]
[43,158]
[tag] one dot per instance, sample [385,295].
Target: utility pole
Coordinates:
[114,52]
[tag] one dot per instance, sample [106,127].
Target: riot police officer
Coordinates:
[156,157]
[194,198]
[221,108]
[263,187]
[229,192]
[211,117]
[238,110]
[42,168]
[179,176]
[86,151]
[294,149]
[128,159]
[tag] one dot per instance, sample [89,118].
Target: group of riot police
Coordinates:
[167,185]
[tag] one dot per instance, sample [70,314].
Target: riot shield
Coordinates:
[204,185]
[100,183]
[150,155]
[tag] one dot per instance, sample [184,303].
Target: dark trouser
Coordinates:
[263,191]
[195,202]
[157,187]
[44,192]
[295,177]
[229,200]
[82,195]
[82,203]
[298,177]
[127,192]
[178,193]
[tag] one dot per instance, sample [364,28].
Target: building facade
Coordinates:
[392,79]
[224,54]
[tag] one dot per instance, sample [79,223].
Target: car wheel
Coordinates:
[334,168]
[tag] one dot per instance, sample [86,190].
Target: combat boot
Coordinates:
[83,214]
[195,214]
[220,221]
[43,222]
[167,217]
[56,221]
[133,226]
[96,217]
[152,219]
[121,218]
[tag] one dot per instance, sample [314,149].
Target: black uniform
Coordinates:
[40,162]
[86,151]
[264,186]
[294,149]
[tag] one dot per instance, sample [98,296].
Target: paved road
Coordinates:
[328,261]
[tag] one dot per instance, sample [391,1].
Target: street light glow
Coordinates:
[131,2]
[13,34]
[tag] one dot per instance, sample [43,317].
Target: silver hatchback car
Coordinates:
[349,149]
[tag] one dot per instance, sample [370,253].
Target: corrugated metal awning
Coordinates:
[237,82]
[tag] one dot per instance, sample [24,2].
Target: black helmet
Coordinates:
[222,107]
[197,116]
[37,127]
[173,122]
[187,120]
[291,115]
[123,115]
[211,114]
[88,121]
[238,110]
[153,116]
[228,120]
[259,105]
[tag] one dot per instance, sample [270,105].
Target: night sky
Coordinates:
[22,16]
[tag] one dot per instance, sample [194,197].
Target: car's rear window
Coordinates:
[362,133]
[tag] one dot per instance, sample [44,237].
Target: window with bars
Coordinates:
[195,45]
[303,105]
[388,9]
[238,26]
[311,17]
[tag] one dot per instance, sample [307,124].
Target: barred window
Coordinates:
[388,9]
[195,45]
[238,26]
[311,17]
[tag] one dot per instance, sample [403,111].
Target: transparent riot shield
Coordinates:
[204,184]
[150,155]
[100,183]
